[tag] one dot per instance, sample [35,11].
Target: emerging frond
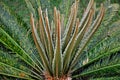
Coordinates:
[61,53]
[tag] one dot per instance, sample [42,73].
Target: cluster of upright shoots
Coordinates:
[60,54]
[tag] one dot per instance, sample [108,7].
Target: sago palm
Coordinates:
[57,52]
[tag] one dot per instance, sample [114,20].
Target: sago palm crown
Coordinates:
[52,49]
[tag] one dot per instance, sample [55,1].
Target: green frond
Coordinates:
[50,42]
[38,2]
[57,61]
[18,32]
[70,24]
[45,34]
[103,71]
[12,45]
[95,26]
[108,58]
[103,68]
[38,45]
[31,8]
[11,71]
[11,61]
[107,78]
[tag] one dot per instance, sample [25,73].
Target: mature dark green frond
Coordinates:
[104,65]
[17,31]
[107,78]
[12,45]
[12,65]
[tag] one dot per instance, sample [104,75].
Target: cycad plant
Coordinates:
[59,47]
